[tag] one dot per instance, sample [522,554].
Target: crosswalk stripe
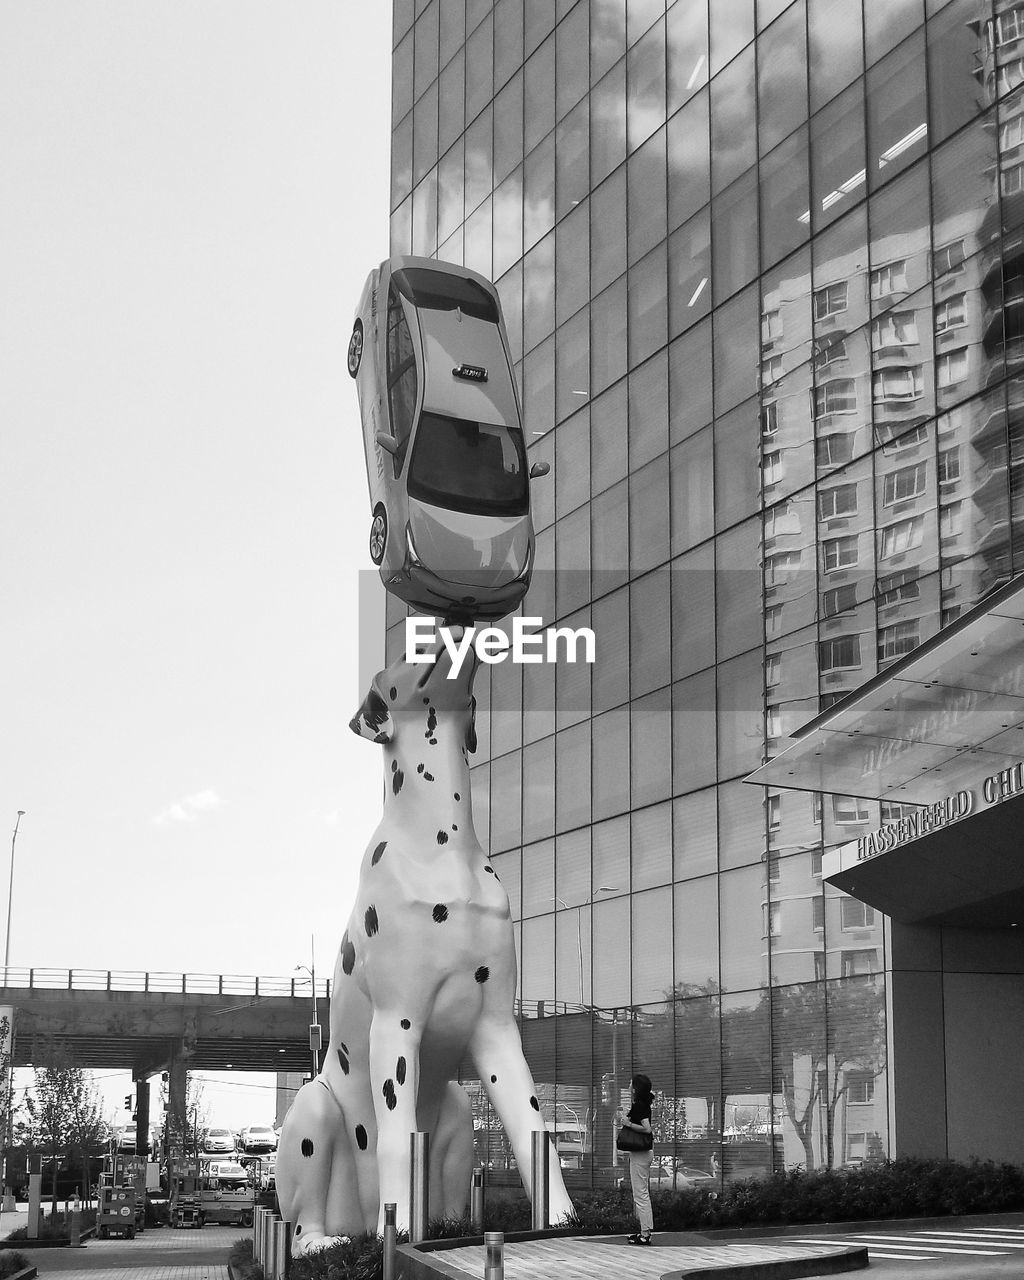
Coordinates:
[971,1237]
[902,1257]
[912,1242]
[1009,1231]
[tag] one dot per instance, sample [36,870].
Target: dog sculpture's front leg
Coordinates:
[394,1079]
[497,1053]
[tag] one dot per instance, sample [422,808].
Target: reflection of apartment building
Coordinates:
[762,268]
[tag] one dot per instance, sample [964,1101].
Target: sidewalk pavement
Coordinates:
[679,1254]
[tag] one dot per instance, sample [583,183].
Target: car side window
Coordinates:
[401,373]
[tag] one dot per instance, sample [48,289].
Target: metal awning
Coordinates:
[948,713]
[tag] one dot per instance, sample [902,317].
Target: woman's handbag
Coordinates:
[634,1139]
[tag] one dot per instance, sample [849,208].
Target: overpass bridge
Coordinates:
[146,1022]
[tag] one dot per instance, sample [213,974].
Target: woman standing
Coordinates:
[639,1117]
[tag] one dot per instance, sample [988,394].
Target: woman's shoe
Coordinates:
[639,1239]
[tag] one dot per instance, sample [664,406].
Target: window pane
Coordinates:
[733,131]
[696,934]
[737,339]
[611,954]
[650,747]
[744,949]
[540,94]
[648,425]
[651,840]
[608,438]
[740,715]
[609,537]
[897,111]
[687,40]
[611,756]
[652,955]
[648,517]
[689,159]
[645,80]
[538,878]
[610,685]
[572,866]
[572,160]
[695,834]
[647,203]
[693,612]
[690,382]
[649,614]
[539,789]
[648,305]
[732,26]
[608,124]
[740,611]
[692,488]
[608,231]
[506,803]
[690,272]
[608,336]
[785,198]
[837,157]
[781,78]
[610,857]
[537,979]
[572,785]
[836,52]
[693,721]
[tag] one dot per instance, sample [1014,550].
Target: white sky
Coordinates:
[193,196]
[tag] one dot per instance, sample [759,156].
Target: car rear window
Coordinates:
[469,466]
[442,291]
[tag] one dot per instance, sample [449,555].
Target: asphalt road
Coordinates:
[155,1247]
[952,1251]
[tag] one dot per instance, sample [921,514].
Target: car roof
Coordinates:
[449,342]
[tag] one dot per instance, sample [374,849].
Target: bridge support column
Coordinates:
[141,1117]
[6,1096]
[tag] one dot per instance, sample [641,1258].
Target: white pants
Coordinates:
[639,1181]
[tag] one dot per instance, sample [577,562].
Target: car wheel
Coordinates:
[378,535]
[355,348]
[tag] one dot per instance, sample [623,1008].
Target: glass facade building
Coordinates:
[762,268]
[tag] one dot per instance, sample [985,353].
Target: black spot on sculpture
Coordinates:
[343,1058]
[389,1094]
[360,1137]
[370,921]
[400,1071]
[482,974]
[535,1104]
[405,1024]
[307,1148]
[348,954]
[378,853]
[442,837]
[396,781]
[440,913]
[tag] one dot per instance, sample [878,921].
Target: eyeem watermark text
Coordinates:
[491,644]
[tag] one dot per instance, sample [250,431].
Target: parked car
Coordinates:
[443,437]
[229,1173]
[256,1139]
[216,1141]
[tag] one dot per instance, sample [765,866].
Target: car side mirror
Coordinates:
[387,443]
[539,469]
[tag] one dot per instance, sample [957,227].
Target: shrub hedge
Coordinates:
[902,1188]
[11,1261]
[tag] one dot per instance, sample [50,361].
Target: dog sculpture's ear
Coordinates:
[471,727]
[373,719]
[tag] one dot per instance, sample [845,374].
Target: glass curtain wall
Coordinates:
[762,266]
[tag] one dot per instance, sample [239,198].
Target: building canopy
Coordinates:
[943,729]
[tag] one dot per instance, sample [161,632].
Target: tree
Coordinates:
[64,1111]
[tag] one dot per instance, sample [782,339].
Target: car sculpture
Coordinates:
[443,437]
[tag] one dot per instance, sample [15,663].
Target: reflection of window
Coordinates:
[773,619]
[1011,133]
[902,485]
[1011,179]
[854,914]
[855,963]
[816,862]
[769,418]
[838,600]
[949,465]
[837,396]
[900,638]
[856,1146]
[951,520]
[901,536]
[774,810]
[893,438]
[896,587]
[951,314]
[829,349]
[949,260]
[771,326]
[772,670]
[772,919]
[839,553]
[839,653]
[1011,76]
[773,728]
[893,810]
[837,500]
[819,966]
[892,278]
[783,518]
[779,566]
[818,912]
[833,450]
[771,370]
[905,382]
[894,329]
[847,810]
[951,367]
[771,467]
[830,300]
[1008,26]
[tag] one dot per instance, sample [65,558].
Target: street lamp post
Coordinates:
[314,1026]
[10,896]
[604,888]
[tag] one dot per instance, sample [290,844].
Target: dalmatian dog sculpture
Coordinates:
[425,976]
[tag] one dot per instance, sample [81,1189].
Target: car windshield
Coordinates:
[443,291]
[469,466]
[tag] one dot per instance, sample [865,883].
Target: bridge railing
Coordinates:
[155,981]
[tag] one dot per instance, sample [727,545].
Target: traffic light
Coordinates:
[127,1102]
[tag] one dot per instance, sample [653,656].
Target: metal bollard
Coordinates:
[476,1201]
[270,1259]
[494,1262]
[419,1164]
[390,1241]
[284,1258]
[257,1232]
[265,1253]
[540,1181]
